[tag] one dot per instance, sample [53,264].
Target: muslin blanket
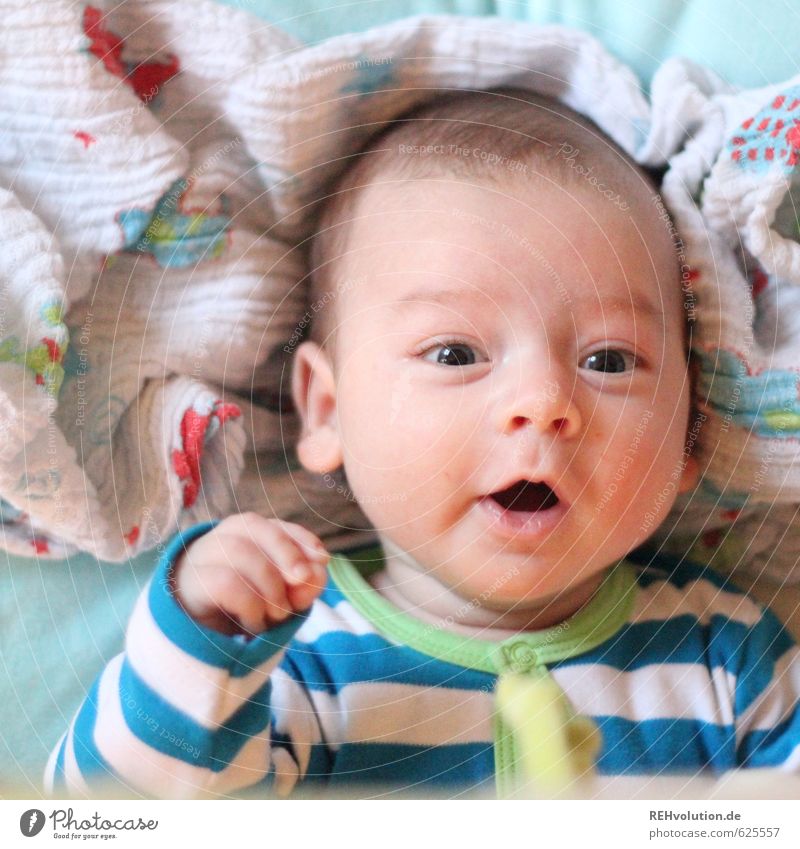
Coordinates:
[158,161]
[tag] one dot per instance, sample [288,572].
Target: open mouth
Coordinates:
[526,496]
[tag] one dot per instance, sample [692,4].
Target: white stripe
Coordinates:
[792,763]
[778,699]
[208,694]
[286,772]
[294,715]
[249,766]
[700,598]
[403,713]
[379,713]
[49,778]
[146,769]
[342,617]
[142,768]
[662,691]
[72,774]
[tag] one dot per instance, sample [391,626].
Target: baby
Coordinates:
[499,368]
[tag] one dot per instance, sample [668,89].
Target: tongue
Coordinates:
[526,496]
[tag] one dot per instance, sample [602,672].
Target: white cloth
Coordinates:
[156,165]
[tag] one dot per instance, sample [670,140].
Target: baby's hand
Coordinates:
[250,573]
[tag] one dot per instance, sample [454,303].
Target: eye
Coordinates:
[452,354]
[610,361]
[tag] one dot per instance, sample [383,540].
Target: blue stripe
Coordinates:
[235,654]
[317,773]
[339,658]
[320,764]
[719,644]
[771,747]
[658,746]
[679,640]
[282,740]
[332,595]
[92,765]
[176,734]
[400,768]
[769,641]
[682,573]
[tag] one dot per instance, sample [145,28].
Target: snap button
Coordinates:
[518,657]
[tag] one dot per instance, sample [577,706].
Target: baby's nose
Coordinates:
[548,408]
[523,421]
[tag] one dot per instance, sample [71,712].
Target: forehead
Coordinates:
[427,239]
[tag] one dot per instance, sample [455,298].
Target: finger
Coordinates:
[302,596]
[265,531]
[249,592]
[316,574]
[233,611]
[289,556]
[271,589]
[307,539]
[253,619]
[233,548]
[263,573]
[280,585]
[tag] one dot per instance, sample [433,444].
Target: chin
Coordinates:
[514,595]
[530,602]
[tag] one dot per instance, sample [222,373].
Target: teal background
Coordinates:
[61,621]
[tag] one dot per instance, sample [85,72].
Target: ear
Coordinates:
[314,395]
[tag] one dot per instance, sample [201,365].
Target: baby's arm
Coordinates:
[190,708]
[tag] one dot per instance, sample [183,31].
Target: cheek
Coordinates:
[637,448]
[401,461]
[380,435]
[398,414]
[642,473]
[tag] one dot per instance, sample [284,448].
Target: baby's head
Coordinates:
[498,355]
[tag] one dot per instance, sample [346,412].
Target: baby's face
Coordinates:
[485,341]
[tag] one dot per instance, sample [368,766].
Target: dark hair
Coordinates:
[490,136]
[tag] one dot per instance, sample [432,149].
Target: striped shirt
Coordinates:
[680,671]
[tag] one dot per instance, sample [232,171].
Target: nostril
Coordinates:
[519,421]
[559,425]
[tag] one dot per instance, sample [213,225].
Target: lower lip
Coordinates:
[521,524]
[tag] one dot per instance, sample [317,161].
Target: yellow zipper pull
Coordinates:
[554,747]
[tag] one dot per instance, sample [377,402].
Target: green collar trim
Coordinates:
[592,625]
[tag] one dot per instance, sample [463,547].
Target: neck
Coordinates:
[420,594]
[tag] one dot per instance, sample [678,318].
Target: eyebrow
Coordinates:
[446,297]
[639,304]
